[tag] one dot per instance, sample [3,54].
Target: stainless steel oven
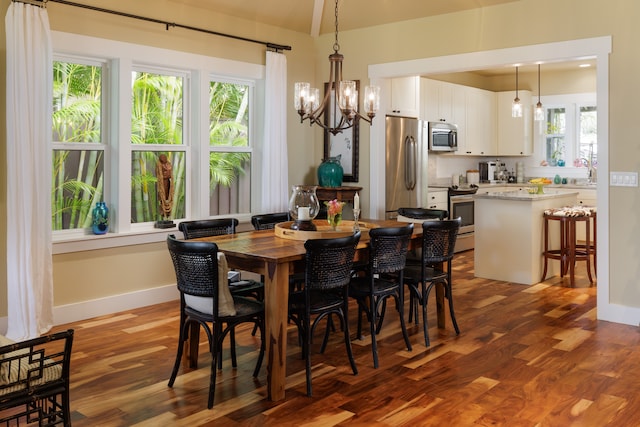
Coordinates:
[461,205]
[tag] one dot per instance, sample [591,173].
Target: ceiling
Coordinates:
[569,65]
[316,17]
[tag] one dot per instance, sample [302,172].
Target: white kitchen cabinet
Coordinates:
[495,189]
[405,97]
[481,132]
[586,197]
[443,102]
[438,199]
[515,134]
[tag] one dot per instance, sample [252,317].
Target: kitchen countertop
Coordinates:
[524,195]
[488,186]
[485,186]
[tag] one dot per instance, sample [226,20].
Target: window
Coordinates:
[157,133]
[78,148]
[138,127]
[588,137]
[229,149]
[571,131]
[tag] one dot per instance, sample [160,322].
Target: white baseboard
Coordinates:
[113,304]
[99,307]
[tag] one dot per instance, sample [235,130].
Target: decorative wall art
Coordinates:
[344,144]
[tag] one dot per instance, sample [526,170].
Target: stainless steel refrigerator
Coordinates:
[406,165]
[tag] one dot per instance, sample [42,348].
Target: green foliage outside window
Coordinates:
[156,120]
[78,172]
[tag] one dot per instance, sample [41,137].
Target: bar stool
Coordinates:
[570,251]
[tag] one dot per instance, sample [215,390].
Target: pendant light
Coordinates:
[344,108]
[539,114]
[516,107]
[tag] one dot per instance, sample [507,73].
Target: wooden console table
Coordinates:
[342,194]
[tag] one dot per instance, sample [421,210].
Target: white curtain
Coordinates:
[29,247]
[275,164]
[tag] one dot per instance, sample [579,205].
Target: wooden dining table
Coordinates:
[275,258]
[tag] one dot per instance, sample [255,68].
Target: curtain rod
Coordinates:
[167,24]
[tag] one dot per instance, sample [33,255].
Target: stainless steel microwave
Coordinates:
[442,136]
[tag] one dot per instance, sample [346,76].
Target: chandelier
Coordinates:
[340,102]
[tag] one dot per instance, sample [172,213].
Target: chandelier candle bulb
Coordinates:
[356,202]
[372,95]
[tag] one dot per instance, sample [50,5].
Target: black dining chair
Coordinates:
[219,227]
[202,302]
[423,213]
[208,227]
[438,243]
[268,221]
[383,279]
[328,264]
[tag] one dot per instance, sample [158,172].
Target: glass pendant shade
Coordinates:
[372,100]
[516,106]
[539,113]
[348,97]
[306,98]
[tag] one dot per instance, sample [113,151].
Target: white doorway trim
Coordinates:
[598,48]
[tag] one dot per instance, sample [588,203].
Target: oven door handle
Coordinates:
[461,197]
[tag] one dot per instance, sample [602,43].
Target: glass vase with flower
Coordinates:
[334,213]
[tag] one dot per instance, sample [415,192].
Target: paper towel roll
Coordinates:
[473,177]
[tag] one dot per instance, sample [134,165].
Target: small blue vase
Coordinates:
[100,214]
[330,172]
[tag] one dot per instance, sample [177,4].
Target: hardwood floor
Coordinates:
[526,356]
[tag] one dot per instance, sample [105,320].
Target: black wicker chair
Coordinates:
[438,242]
[423,213]
[219,227]
[268,221]
[383,279]
[34,381]
[208,227]
[328,264]
[196,267]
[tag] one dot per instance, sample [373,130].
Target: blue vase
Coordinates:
[330,172]
[100,214]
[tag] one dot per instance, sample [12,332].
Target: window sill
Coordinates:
[140,234]
[79,242]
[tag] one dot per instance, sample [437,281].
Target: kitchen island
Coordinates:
[509,233]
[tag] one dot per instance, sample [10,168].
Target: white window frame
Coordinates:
[125,223]
[103,145]
[228,149]
[121,58]
[571,103]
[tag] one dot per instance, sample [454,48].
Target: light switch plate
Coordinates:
[623,179]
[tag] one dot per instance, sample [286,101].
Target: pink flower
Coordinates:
[334,207]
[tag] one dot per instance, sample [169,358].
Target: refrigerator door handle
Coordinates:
[410,162]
